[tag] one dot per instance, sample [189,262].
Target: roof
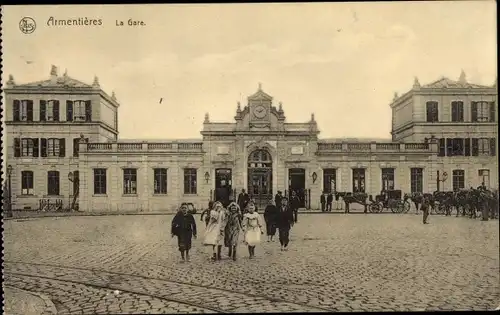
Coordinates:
[448,83]
[59,82]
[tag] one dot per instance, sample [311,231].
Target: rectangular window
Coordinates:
[387,179]
[27,183]
[27,147]
[483,111]
[417,179]
[484,178]
[53,147]
[160,181]
[455,147]
[329,180]
[130,181]
[190,181]
[79,111]
[49,110]
[99,181]
[53,183]
[458,177]
[432,111]
[457,111]
[358,180]
[483,146]
[23,110]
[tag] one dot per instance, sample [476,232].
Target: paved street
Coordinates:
[336,262]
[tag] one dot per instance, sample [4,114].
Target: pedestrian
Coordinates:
[232,229]
[284,223]
[252,225]
[277,199]
[294,205]
[270,214]
[184,227]
[329,200]
[425,208]
[243,199]
[206,213]
[214,233]
[322,200]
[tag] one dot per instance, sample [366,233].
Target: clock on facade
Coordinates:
[260,111]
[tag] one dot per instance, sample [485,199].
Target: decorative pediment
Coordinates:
[260,95]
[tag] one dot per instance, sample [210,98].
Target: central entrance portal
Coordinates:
[260,177]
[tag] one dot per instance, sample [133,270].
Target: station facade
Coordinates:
[63,148]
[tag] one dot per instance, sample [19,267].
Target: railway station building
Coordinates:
[63,148]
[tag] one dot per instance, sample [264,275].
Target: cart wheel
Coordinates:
[394,207]
[406,206]
[374,207]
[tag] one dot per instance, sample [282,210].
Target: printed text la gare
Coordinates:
[130,22]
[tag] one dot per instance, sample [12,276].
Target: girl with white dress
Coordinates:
[252,227]
[214,233]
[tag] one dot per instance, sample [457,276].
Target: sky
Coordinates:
[341,61]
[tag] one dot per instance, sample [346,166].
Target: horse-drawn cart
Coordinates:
[390,199]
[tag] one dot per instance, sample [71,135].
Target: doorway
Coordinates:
[297,184]
[260,177]
[358,180]
[223,185]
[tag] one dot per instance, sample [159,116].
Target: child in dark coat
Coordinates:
[184,227]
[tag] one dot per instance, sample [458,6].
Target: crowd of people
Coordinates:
[228,226]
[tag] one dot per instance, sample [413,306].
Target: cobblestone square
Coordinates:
[336,262]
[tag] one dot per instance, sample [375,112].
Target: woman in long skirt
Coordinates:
[252,225]
[184,227]
[270,214]
[233,228]
[214,233]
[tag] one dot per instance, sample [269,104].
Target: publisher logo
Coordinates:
[27,25]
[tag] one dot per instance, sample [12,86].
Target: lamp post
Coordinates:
[9,188]
[207,177]
[71,179]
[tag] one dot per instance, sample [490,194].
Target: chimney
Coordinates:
[96,82]
[207,119]
[11,81]
[53,73]
[416,84]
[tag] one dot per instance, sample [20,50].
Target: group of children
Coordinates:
[224,226]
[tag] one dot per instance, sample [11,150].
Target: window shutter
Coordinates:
[17,108]
[454,111]
[442,147]
[473,109]
[449,147]
[43,108]
[461,112]
[69,110]
[492,111]
[467,146]
[56,110]
[17,147]
[36,147]
[76,142]
[493,146]
[475,147]
[88,110]
[62,147]
[43,147]
[29,110]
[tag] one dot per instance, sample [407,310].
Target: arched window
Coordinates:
[260,159]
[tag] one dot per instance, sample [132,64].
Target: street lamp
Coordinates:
[207,177]
[9,188]
[70,178]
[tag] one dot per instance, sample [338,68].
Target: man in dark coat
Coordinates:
[294,205]
[322,200]
[425,208]
[184,227]
[284,222]
[329,200]
[243,199]
[277,199]
[206,213]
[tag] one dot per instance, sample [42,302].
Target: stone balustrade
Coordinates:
[373,147]
[142,147]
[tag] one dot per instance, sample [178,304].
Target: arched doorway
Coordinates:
[260,177]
